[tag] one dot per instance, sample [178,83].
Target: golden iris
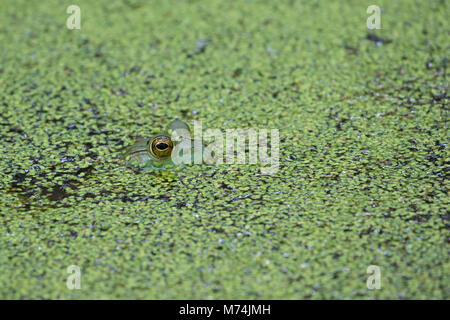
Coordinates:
[161,147]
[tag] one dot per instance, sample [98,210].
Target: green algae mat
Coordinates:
[358,208]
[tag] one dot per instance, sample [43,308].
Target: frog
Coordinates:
[155,152]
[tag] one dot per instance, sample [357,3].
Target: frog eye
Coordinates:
[161,147]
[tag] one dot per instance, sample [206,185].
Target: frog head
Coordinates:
[154,152]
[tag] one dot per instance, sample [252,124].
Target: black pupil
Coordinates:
[162,146]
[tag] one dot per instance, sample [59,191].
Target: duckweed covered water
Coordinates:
[363,120]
